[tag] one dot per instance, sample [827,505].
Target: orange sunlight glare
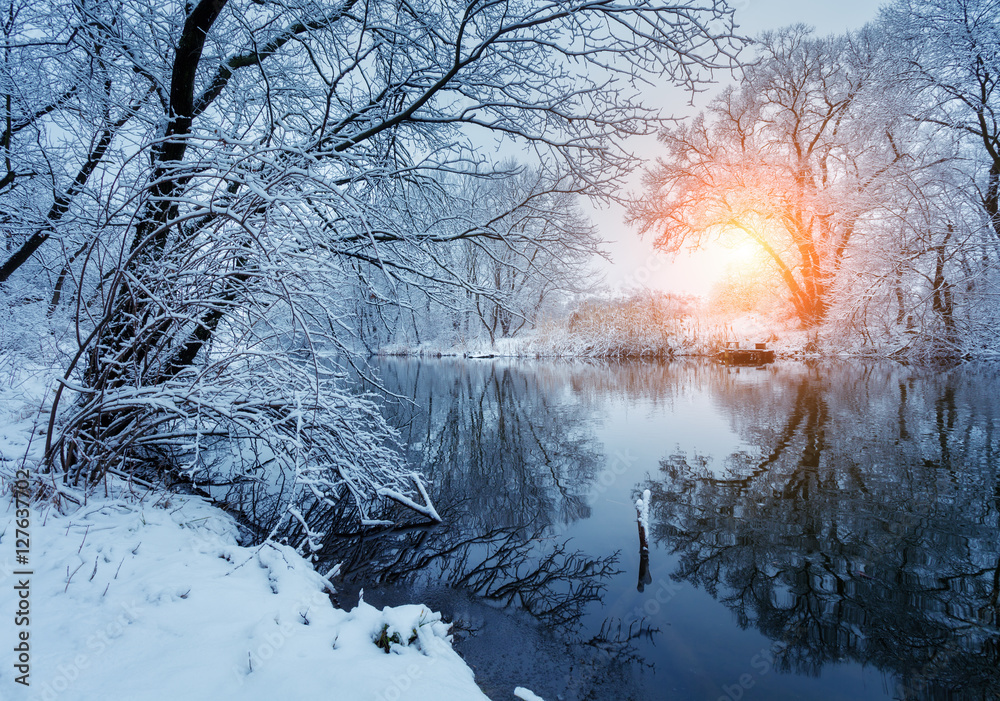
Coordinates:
[698,272]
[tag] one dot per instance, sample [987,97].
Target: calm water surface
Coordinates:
[825,531]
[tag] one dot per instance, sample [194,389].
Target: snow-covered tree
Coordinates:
[524,242]
[219,171]
[794,159]
[948,49]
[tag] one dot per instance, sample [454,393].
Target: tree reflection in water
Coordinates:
[858,521]
[510,464]
[866,526]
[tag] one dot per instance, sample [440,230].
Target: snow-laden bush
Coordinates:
[635,326]
[226,367]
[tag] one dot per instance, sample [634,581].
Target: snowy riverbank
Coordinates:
[146,595]
[139,595]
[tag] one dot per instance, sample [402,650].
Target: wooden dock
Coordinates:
[732,354]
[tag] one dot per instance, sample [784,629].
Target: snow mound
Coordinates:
[144,595]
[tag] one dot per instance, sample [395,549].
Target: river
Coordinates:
[822,530]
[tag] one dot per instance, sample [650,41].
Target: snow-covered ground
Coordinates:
[688,337]
[145,595]
[137,594]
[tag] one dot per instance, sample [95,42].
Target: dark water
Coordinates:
[823,531]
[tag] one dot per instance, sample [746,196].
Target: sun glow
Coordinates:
[699,272]
[742,257]
[718,259]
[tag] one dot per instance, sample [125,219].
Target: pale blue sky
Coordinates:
[828,17]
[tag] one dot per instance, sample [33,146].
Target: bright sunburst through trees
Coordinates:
[798,157]
[863,170]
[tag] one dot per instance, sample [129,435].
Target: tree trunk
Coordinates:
[991,202]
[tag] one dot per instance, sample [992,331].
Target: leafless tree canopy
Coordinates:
[218,194]
[862,167]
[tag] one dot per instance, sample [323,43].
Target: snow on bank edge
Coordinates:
[142,595]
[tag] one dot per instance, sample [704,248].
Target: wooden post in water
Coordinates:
[642,518]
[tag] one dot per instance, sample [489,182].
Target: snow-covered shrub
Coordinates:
[216,375]
[635,326]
